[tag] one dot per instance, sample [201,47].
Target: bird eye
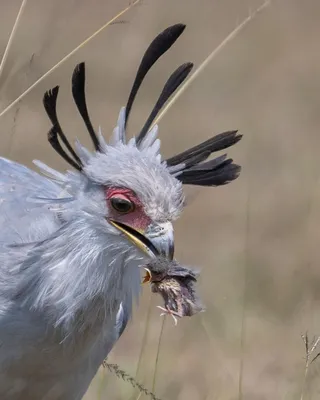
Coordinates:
[123,206]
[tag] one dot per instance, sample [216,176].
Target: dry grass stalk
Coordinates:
[158,353]
[207,61]
[310,348]
[144,341]
[14,29]
[170,103]
[120,373]
[44,76]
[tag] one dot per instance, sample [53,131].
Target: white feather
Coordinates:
[50,172]
[132,142]
[102,143]
[115,138]
[176,168]
[155,147]
[83,153]
[150,137]
[121,125]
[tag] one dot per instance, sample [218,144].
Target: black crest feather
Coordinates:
[191,165]
[157,48]
[174,81]
[54,141]
[79,96]
[216,143]
[215,172]
[50,105]
[219,175]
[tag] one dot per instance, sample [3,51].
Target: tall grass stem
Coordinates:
[11,37]
[207,61]
[65,58]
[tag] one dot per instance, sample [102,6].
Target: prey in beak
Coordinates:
[156,241]
[175,283]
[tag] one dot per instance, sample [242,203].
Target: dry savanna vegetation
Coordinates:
[255,240]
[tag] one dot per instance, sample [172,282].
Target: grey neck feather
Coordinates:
[78,277]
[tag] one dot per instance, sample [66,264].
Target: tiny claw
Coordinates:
[147,277]
[167,311]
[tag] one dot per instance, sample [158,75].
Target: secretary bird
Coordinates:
[72,244]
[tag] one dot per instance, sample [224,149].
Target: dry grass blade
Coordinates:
[144,341]
[205,63]
[44,76]
[174,98]
[120,373]
[310,348]
[243,330]
[14,29]
[158,352]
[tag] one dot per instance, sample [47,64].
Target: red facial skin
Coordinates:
[136,218]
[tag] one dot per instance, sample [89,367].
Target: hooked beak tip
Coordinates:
[162,237]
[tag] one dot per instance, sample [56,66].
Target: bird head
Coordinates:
[128,190]
[134,196]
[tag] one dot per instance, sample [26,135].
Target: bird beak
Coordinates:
[162,238]
[157,240]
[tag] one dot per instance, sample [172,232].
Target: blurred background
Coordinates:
[256,241]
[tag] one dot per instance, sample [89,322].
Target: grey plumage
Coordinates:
[64,280]
[71,245]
